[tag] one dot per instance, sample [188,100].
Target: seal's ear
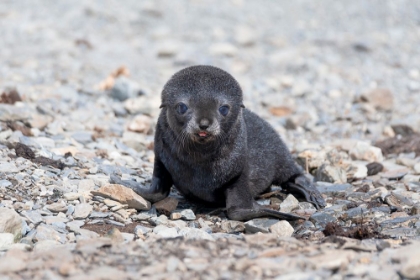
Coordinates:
[242,106]
[161,106]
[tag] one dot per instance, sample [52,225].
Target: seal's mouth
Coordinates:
[202,134]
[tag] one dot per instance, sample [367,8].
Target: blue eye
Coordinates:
[224,110]
[182,108]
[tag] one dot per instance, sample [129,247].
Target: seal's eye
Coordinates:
[224,110]
[181,108]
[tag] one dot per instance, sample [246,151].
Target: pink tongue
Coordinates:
[202,134]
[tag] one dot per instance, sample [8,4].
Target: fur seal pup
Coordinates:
[214,150]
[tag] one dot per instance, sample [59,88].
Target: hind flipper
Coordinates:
[302,187]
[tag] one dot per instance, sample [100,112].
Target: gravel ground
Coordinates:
[80,89]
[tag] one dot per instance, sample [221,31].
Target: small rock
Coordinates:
[166,206]
[115,235]
[6,239]
[289,204]
[381,99]
[71,196]
[57,207]
[140,124]
[416,168]
[282,229]
[232,226]
[10,222]
[321,219]
[259,225]
[364,151]
[165,232]
[13,264]
[332,174]
[225,49]
[124,89]
[141,230]
[161,220]
[188,215]
[33,216]
[82,211]
[416,209]
[195,233]
[44,232]
[123,195]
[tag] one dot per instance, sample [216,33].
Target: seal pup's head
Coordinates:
[202,103]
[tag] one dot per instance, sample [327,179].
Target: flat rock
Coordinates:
[82,211]
[364,151]
[10,222]
[167,205]
[123,195]
[6,239]
[194,233]
[33,216]
[332,174]
[165,232]
[322,219]
[57,207]
[282,229]
[289,204]
[259,225]
[232,226]
[44,232]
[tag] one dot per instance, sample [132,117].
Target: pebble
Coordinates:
[259,225]
[82,211]
[10,222]
[123,195]
[232,226]
[289,204]
[282,229]
[165,232]
[6,239]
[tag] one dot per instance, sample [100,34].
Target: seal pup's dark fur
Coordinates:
[214,150]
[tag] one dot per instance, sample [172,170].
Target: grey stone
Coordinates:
[334,189]
[44,232]
[161,220]
[10,222]
[57,207]
[188,215]
[74,226]
[321,219]
[141,230]
[33,216]
[6,239]
[232,226]
[194,233]
[83,137]
[332,174]
[124,89]
[82,211]
[282,229]
[165,232]
[5,183]
[289,204]
[259,225]
[96,214]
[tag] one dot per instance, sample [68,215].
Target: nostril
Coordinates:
[203,127]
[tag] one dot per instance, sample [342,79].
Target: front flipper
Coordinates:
[302,187]
[241,206]
[158,189]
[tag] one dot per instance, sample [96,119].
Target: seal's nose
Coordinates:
[204,124]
